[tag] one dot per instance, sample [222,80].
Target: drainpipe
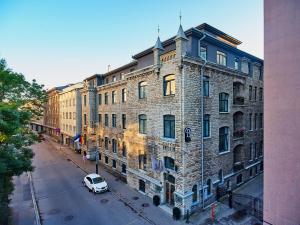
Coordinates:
[201,116]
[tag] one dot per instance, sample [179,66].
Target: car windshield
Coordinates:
[97,180]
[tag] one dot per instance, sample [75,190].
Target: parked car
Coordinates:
[95,183]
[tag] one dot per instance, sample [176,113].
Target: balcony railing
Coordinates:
[239,133]
[238,100]
[238,166]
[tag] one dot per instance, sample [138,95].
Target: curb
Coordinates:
[36,209]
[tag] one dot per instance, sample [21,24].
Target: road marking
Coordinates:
[36,209]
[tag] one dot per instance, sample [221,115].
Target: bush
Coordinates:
[176,213]
[156,200]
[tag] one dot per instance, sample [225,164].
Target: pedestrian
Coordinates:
[84,157]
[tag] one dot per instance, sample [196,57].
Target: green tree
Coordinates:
[20,101]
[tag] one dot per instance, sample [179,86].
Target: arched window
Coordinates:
[169,85]
[169,126]
[223,102]
[143,124]
[142,89]
[224,139]
[195,193]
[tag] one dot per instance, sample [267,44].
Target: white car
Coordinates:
[95,183]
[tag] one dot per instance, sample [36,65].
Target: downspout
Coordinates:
[201,115]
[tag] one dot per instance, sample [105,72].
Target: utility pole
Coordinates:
[97,161]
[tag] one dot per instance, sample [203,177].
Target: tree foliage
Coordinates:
[20,101]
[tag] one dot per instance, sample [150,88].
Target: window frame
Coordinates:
[224,144]
[169,121]
[143,124]
[142,89]
[206,88]
[205,122]
[221,58]
[168,80]
[223,102]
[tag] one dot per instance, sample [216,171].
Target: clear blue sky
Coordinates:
[64,41]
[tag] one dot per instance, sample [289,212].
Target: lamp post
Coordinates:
[97,161]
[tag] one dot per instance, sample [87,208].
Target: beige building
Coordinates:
[70,113]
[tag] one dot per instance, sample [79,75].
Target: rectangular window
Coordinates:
[124,168]
[142,89]
[203,52]
[223,139]
[250,121]
[113,97]
[100,99]
[250,92]
[255,92]
[124,95]
[169,126]
[255,150]
[236,63]
[84,119]
[114,79]
[114,145]
[114,163]
[205,86]
[223,102]
[142,186]
[74,115]
[84,100]
[114,120]
[100,118]
[255,121]
[261,116]
[106,98]
[106,159]
[169,163]
[206,125]
[260,73]
[106,120]
[260,94]
[169,85]
[221,58]
[124,121]
[143,124]
[106,143]
[142,161]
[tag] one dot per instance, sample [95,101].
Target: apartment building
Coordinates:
[70,113]
[183,121]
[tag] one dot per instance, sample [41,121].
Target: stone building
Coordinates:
[51,113]
[183,120]
[70,113]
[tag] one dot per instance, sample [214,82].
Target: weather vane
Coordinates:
[180,16]
[158,29]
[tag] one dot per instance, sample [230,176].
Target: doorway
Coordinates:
[170,188]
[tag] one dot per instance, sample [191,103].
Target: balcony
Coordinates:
[239,133]
[238,166]
[238,100]
[238,93]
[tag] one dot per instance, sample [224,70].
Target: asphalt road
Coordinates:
[62,199]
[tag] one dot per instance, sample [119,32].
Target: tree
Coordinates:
[20,101]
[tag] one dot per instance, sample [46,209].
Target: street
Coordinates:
[62,198]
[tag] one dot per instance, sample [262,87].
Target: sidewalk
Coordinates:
[134,200]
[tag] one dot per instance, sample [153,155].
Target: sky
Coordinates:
[58,42]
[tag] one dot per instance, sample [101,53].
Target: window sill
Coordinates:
[169,96]
[205,138]
[173,140]
[224,112]
[223,153]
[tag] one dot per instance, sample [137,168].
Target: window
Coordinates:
[206,125]
[106,98]
[100,156]
[169,85]
[114,120]
[106,143]
[250,121]
[106,159]
[84,100]
[114,163]
[142,186]
[255,150]
[114,79]
[124,150]
[122,76]
[250,172]
[169,126]
[106,120]
[142,161]
[124,168]
[223,102]
[224,139]
[250,151]
[70,115]
[205,86]
[143,124]
[169,163]
[239,179]
[202,52]
[74,115]
[255,92]
[124,121]
[236,63]
[220,174]
[142,89]
[260,94]
[255,121]
[208,190]
[107,80]
[100,99]
[260,73]
[250,92]
[100,118]
[221,58]
[114,146]
[124,95]
[260,123]
[84,119]
[113,97]
[195,196]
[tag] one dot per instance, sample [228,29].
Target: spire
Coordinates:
[158,44]
[180,33]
